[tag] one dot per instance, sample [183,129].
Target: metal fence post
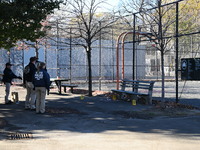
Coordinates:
[177,42]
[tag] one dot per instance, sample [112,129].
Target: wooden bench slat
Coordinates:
[137,87]
[125,80]
[134,93]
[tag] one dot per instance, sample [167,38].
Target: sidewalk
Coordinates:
[97,123]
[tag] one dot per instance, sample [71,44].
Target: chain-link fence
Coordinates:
[70,61]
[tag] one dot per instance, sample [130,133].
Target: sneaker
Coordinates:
[32,108]
[9,102]
[27,108]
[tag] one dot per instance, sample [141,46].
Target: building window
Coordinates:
[155,65]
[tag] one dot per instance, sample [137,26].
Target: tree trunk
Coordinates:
[36,52]
[161,43]
[163,77]
[89,71]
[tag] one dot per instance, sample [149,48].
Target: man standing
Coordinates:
[41,84]
[29,72]
[7,79]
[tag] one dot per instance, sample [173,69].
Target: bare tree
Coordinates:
[88,22]
[159,18]
[159,22]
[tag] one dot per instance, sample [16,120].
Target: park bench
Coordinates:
[133,89]
[69,85]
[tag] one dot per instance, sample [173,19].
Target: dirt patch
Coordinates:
[168,104]
[153,112]
[168,109]
[158,109]
[96,93]
[65,110]
[133,115]
[172,112]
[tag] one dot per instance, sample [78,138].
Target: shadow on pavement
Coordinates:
[94,115]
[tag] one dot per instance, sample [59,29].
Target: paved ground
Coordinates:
[97,123]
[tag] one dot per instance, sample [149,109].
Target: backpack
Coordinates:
[27,70]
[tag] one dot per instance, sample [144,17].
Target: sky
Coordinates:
[111,4]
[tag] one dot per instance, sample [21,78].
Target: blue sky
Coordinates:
[112,4]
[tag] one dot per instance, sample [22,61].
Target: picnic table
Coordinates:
[59,82]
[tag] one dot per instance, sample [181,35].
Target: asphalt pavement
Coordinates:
[77,122]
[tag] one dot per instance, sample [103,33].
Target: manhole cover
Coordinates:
[18,136]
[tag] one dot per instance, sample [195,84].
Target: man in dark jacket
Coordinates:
[41,84]
[7,79]
[29,73]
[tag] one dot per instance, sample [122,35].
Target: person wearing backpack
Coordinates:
[41,86]
[29,72]
[8,75]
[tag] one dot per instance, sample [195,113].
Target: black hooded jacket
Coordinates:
[29,73]
[8,75]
